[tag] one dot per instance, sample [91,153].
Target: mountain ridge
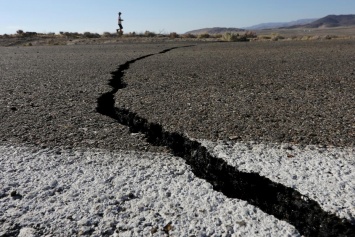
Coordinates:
[215,30]
[273,25]
[329,21]
[333,21]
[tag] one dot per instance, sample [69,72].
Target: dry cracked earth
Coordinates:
[161,96]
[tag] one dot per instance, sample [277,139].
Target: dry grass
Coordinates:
[307,34]
[23,38]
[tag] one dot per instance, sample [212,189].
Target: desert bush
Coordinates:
[276,37]
[230,37]
[328,37]
[264,37]
[250,34]
[203,36]
[188,36]
[306,37]
[149,34]
[107,35]
[316,37]
[174,35]
[132,34]
[91,35]
[71,34]
[293,37]
[26,34]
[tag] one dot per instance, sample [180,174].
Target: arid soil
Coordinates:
[297,92]
[292,91]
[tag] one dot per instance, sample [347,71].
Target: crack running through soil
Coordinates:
[273,198]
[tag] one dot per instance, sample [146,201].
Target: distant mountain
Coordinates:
[325,22]
[333,21]
[214,30]
[274,25]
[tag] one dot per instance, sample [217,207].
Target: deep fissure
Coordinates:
[283,202]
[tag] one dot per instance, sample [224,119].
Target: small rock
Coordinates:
[154,230]
[168,228]
[15,195]
[85,230]
[234,137]
[27,232]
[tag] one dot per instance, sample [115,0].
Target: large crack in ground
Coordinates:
[283,202]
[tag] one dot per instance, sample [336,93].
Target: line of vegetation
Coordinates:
[228,37]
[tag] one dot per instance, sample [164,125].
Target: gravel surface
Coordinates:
[326,175]
[299,92]
[268,92]
[48,95]
[110,193]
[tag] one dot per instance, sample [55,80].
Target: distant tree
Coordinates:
[19,32]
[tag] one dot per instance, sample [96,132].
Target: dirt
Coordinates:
[291,91]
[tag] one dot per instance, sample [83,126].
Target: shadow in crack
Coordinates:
[273,198]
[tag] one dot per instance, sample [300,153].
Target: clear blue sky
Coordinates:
[98,16]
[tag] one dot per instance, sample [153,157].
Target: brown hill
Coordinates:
[215,30]
[333,21]
[329,22]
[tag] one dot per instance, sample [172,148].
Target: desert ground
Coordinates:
[294,92]
[297,92]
